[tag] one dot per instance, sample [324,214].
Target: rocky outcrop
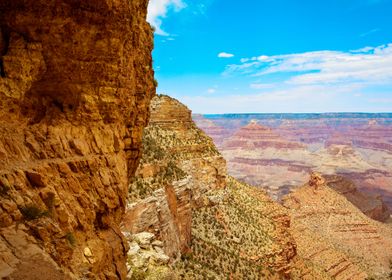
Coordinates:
[335,236]
[178,167]
[76,81]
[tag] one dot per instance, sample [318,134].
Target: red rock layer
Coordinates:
[257,136]
[216,132]
[76,81]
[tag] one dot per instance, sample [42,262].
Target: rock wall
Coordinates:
[76,81]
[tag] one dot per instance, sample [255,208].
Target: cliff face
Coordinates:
[335,236]
[371,205]
[178,166]
[76,81]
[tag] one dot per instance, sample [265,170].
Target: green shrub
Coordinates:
[4,187]
[71,239]
[32,212]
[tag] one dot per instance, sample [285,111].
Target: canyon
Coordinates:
[100,178]
[211,226]
[277,151]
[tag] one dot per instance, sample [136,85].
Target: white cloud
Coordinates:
[369,32]
[261,86]
[211,90]
[225,55]
[367,65]
[158,9]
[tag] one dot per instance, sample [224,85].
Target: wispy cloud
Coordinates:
[158,9]
[225,55]
[367,65]
[369,32]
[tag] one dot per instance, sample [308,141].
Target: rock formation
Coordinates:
[335,236]
[76,81]
[256,136]
[179,165]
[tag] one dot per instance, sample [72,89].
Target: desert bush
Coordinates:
[32,212]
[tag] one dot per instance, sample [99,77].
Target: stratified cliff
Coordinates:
[76,81]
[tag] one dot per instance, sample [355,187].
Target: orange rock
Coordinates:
[76,82]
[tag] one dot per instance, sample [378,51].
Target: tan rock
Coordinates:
[87,252]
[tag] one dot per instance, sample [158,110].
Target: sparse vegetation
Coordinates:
[4,187]
[71,239]
[236,238]
[32,212]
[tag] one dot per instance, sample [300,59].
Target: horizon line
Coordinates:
[297,113]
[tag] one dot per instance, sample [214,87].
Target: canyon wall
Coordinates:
[76,81]
[179,165]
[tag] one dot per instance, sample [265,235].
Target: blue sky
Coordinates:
[226,56]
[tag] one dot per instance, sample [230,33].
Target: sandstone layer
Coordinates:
[76,81]
[371,205]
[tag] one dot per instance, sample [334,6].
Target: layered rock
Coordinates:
[259,156]
[216,132]
[335,235]
[257,136]
[277,153]
[178,166]
[76,81]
